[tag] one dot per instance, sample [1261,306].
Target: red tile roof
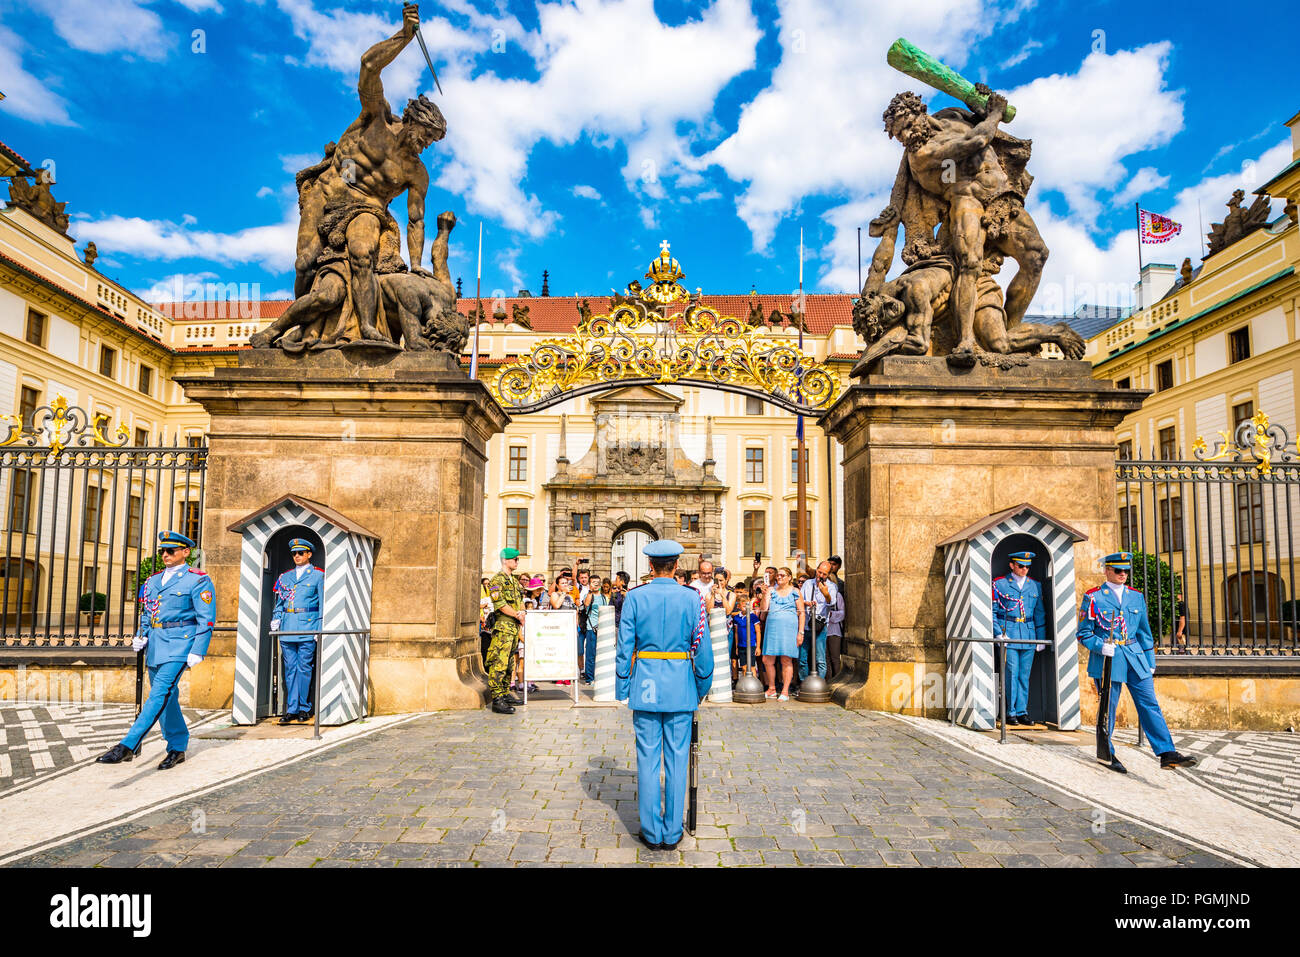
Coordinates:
[224,310]
[15,156]
[560,313]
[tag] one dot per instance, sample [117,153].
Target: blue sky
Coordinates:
[581,133]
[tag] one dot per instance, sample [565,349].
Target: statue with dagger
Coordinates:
[351,283]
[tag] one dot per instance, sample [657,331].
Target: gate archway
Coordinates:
[626,555]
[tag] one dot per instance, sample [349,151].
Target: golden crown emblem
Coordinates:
[665,272]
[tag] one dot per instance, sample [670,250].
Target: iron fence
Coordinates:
[81,517]
[1222,521]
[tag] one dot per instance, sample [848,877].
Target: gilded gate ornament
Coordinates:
[640,339]
[61,426]
[1253,439]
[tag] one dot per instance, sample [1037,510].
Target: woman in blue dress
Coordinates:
[782,633]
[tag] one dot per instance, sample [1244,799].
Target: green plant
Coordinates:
[1160,585]
[100,602]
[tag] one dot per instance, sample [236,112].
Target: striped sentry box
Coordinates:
[720,693]
[606,639]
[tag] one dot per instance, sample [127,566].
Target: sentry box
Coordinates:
[972,559]
[346,552]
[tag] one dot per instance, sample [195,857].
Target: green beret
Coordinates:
[509,553]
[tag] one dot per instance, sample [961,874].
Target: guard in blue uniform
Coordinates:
[1018,613]
[176,618]
[663,668]
[1113,624]
[299,598]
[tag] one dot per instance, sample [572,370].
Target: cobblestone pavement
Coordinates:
[1258,769]
[37,739]
[792,785]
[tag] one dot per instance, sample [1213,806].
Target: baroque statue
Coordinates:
[960,198]
[351,284]
[1239,223]
[36,198]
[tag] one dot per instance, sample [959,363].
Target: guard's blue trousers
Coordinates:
[662,737]
[821,650]
[1150,717]
[1020,663]
[163,703]
[298,656]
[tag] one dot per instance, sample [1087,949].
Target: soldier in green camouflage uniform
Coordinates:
[508,602]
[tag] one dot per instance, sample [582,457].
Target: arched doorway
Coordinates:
[626,555]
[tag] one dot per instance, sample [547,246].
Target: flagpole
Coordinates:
[478,309]
[1200,235]
[801,499]
[1137,211]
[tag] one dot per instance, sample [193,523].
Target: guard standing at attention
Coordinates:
[1113,624]
[1018,613]
[176,618]
[663,673]
[508,602]
[299,598]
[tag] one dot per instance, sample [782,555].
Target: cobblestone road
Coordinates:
[784,786]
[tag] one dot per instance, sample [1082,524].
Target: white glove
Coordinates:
[193,660]
[275,624]
[1040,646]
[1108,649]
[138,643]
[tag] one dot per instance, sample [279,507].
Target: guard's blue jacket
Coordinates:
[1019,610]
[299,601]
[177,618]
[1100,616]
[661,616]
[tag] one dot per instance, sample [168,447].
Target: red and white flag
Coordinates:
[1154,228]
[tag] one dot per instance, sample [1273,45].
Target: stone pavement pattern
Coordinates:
[36,738]
[781,785]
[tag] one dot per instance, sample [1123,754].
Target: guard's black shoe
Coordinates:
[1113,764]
[650,844]
[670,847]
[118,752]
[1172,759]
[1025,721]
[513,700]
[287,718]
[173,758]
[502,706]
[306,715]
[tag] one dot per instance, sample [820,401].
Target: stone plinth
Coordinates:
[397,443]
[927,452]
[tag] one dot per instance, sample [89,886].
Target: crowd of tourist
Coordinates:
[779,621]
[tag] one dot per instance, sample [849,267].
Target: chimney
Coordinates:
[1157,279]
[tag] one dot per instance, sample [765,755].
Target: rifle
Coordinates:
[1104,751]
[692,791]
[139,682]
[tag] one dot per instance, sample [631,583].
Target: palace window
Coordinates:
[134,521]
[1239,344]
[1171,524]
[21,496]
[753,541]
[518,463]
[194,441]
[1242,413]
[107,361]
[141,437]
[190,519]
[28,400]
[1168,439]
[92,522]
[794,531]
[1249,498]
[1128,527]
[794,465]
[581,521]
[753,467]
[36,328]
[1164,375]
[146,379]
[753,405]
[1124,383]
[517,529]
[1124,450]
[690,524]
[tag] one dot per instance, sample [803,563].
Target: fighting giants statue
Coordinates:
[351,283]
[959,196]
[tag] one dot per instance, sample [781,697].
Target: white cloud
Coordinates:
[177,287]
[507,262]
[293,162]
[1118,106]
[1018,58]
[270,246]
[264,192]
[1146,180]
[586,192]
[107,26]
[649,217]
[25,96]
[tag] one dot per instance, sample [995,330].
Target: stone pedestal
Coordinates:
[928,451]
[398,443]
